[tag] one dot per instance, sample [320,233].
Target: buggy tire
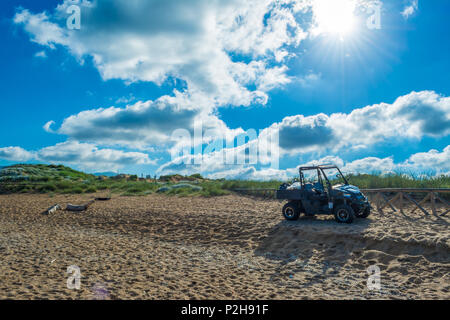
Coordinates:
[344,214]
[291,211]
[364,214]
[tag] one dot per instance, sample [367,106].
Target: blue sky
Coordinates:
[113,92]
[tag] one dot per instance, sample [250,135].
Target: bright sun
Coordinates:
[334,16]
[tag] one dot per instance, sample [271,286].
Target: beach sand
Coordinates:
[230,247]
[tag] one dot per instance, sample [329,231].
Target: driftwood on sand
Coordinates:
[103,199]
[71,207]
[52,209]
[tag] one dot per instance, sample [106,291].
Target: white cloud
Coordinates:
[193,41]
[83,155]
[214,166]
[146,124]
[15,154]
[304,134]
[432,160]
[41,54]
[371,165]
[153,40]
[139,125]
[126,99]
[217,160]
[196,41]
[262,27]
[230,159]
[412,116]
[41,29]
[326,160]
[250,173]
[410,8]
[47,126]
[88,156]
[430,163]
[309,80]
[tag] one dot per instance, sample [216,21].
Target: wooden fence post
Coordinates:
[388,202]
[378,201]
[433,203]
[444,202]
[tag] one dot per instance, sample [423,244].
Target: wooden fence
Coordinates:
[381,198]
[399,195]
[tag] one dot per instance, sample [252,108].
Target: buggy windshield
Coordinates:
[329,174]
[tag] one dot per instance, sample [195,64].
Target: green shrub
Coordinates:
[186,186]
[214,191]
[46,188]
[102,186]
[91,189]
[163,189]
[76,190]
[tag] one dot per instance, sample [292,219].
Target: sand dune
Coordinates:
[230,247]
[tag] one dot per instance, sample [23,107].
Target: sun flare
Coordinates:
[334,16]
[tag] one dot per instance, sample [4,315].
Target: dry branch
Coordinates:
[71,207]
[52,209]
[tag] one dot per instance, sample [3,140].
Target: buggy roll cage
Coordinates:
[320,172]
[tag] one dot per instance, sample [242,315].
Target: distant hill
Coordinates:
[106,174]
[41,172]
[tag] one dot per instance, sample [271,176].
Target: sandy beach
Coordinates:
[230,247]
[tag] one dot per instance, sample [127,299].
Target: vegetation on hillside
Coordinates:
[61,179]
[41,173]
[372,181]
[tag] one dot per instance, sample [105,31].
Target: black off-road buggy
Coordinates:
[319,196]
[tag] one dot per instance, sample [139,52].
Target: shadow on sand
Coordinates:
[313,245]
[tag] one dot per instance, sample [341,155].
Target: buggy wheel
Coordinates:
[344,214]
[364,214]
[291,211]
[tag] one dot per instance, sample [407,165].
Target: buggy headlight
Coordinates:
[347,195]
